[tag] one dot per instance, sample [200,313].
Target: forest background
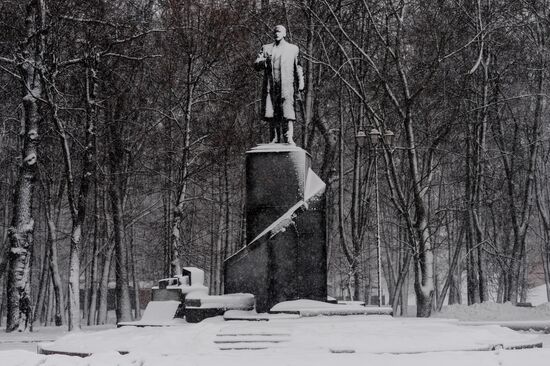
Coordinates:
[124,126]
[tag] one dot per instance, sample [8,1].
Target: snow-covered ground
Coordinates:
[322,340]
[29,340]
[535,357]
[291,340]
[321,334]
[490,311]
[515,317]
[537,295]
[537,317]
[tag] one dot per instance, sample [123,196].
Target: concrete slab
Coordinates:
[157,313]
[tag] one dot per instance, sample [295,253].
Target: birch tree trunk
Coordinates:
[21,231]
[423,255]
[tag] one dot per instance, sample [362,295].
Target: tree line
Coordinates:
[124,125]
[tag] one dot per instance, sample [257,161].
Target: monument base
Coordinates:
[285,258]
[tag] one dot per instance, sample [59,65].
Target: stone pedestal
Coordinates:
[285,258]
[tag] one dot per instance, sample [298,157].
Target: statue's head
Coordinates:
[279,32]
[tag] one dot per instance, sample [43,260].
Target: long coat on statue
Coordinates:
[282,77]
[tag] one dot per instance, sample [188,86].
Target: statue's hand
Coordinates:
[261,62]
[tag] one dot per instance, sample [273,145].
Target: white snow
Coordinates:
[196,276]
[242,358]
[158,313]
[297,305]
[275,147]
[537,295]
[159,310]
[319,341]
[363,334]
[313,308]
[507,315]
[191,282]
[490,311]
[253,315]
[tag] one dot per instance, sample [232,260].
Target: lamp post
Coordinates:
[376,137]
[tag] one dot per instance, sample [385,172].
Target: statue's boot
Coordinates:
[273,132]
[289,133]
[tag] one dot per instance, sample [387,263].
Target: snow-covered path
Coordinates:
[29,340]
[531,357]
[294,340]
[321,334]
[355,340]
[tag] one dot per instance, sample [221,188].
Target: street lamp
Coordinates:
[376,137]
[389,136]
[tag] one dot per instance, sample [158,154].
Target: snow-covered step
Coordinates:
[252,315]
[245,347]
[250,341]
[236,338]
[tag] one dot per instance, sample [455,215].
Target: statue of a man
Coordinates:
[283,77]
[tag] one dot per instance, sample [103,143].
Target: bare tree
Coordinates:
[30,63]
